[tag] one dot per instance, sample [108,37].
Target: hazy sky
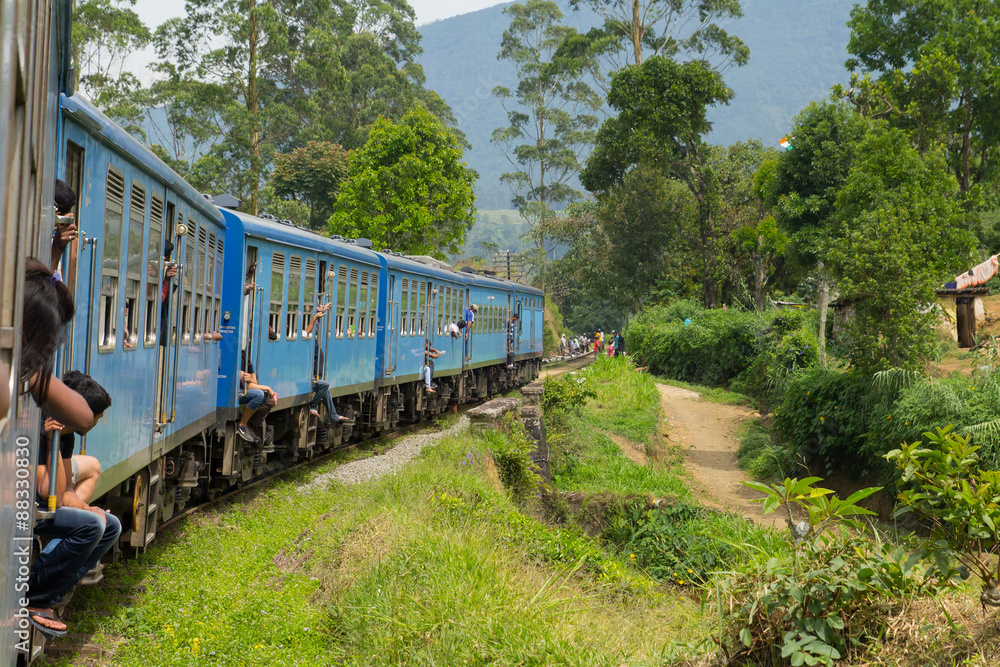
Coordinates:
[155,12]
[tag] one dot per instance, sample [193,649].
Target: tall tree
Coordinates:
[803,190]
[105,34]
[550,113]
[900,238]
[407,188]
[311,174]
[936,76]
[661,123]
[671,27]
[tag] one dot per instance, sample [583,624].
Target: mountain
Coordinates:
[797,52]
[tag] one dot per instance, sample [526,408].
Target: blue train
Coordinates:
[169,350]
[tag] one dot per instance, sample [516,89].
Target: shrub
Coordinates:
[759,456]
[566,393]
[818,604]
[511,449]
[960,502]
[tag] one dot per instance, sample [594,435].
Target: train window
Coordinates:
[74,178]
[114,209]
[216,321]
[414,304]
[363,306]
[190,271]
[199,284]
[404,307]
[277,292]
[309,295]
[422,313]
[352,303]
[341,299]
[440,309]
[133,264]
[373,306]
[209,324]
[153,276]
[294,287]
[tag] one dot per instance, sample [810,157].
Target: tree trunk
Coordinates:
[636,33]
[253,110]
[758,282]
[824,296]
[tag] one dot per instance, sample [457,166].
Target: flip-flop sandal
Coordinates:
[51,633]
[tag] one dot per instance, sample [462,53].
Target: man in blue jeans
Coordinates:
[80,533]
[321,388]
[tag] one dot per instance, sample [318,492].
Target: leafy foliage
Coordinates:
[511,448]
[407,188]
[933,78]
[944,484]
[818,604]
[311,174]
[902,238]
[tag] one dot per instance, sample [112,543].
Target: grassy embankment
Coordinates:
[436,565]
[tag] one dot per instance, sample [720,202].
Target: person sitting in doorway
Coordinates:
[80,533]
[259,400]
[427,370]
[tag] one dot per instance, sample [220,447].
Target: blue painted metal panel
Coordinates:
[286,365]
[130,375]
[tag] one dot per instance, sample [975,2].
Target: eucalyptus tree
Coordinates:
[550,113]
[105,34]
[672,27]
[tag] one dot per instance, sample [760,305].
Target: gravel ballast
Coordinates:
[376,467]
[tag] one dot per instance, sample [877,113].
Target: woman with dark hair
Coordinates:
[48,306]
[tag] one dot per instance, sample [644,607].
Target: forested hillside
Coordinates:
[797,52]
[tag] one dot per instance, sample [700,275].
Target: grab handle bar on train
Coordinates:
[178,335]
[54,470]
[260,324]
[90,319]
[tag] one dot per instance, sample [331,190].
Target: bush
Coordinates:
[757,352]
[759,456]
[511,449]
[566,393]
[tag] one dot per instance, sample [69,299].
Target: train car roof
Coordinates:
[85,113]
[280,232]
[429,265]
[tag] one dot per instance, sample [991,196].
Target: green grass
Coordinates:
[433,566]
[713,394]
[759,457]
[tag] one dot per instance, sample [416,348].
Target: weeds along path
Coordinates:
[706,434]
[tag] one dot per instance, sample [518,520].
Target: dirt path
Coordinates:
[706,433]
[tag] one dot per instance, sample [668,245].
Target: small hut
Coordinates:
[962,313]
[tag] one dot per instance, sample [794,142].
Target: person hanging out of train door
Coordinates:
[470,317]
[427,370]
[65,226]
[511,329]
[320,387]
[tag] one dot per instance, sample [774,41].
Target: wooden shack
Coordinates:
[962,313]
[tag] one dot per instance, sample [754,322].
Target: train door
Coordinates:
[430,313]
[517,329]
[470,330]
[322,333]
[392,327]
[532,316]
[167,331]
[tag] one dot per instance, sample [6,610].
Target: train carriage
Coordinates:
[265,317]
[151,347]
